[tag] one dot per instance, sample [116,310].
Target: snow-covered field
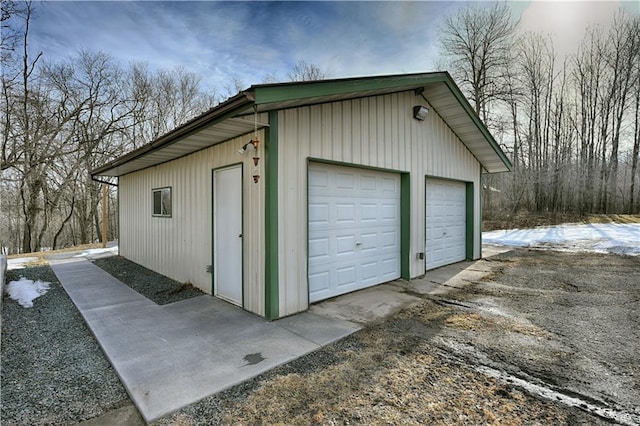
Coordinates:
[23,262]
[614,238]
[19,262]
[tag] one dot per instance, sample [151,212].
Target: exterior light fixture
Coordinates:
[251,145]
[420,112]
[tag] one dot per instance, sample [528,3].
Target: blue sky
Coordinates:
[249,40]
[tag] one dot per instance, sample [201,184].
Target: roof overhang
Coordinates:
[217,125]
[231,118]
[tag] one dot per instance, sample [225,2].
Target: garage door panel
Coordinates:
[370,271]
[319,248]
[318,179]
[445,222]
[390,240]
[345,212]
[368,184]
[358,212]
[390,268]
[345,245]
[389,185]
[318,213]
[389,212]
[319,281]
[369,212]
[344,181]
[346,275]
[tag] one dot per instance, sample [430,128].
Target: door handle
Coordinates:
[358,244]
[240,236]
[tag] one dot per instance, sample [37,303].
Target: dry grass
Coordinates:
[478,322]
[391,380]
[40,255]
[524,220]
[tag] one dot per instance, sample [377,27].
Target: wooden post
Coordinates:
[104,215]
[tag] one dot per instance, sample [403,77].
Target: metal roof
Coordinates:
[226,120]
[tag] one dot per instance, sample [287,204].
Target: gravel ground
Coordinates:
[162,290]
[400,371]
[53,370]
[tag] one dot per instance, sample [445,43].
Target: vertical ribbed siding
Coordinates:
[180,247]
[374,132]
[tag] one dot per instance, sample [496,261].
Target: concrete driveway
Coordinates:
[174,355]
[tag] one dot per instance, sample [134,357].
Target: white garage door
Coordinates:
[445,222]
[354,229]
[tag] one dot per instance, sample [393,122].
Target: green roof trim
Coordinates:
[265,94]
[476,119]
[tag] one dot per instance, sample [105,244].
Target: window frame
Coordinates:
[162,191]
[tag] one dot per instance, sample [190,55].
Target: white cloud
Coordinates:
[248,40]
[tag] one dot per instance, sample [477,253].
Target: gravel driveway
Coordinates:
[551,322]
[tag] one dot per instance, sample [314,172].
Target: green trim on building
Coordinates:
[271,278]
[405,226]
[469,220]
[354,165]
[476,120]
[265,94]
[481,190]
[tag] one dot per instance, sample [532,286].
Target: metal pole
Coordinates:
[104,215]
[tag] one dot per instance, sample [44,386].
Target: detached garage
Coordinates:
[288,194]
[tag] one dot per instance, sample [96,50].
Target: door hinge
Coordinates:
[209,268]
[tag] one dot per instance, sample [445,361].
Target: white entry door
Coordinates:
[227,234]
[354,229]
[445,222]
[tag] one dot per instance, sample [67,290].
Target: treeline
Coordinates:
[570,125]
[62,119]
[59,120]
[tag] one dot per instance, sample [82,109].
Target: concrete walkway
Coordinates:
[171,356]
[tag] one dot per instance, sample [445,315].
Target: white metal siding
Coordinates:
[180,247]
[377,132]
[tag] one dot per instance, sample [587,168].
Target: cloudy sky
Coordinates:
[250,40]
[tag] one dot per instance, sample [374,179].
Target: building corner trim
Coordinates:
[271,282]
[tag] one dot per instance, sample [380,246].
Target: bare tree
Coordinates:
[304,71]
[635,156]
[478,41]
[164,100]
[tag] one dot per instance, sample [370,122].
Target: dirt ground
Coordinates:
[547,338]
[568,324]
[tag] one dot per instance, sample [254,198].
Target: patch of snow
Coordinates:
[99,252]
[617,238]
[19,262]
[24,291]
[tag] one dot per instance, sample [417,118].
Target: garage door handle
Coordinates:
[358,244]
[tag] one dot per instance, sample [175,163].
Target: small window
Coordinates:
[162,202]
